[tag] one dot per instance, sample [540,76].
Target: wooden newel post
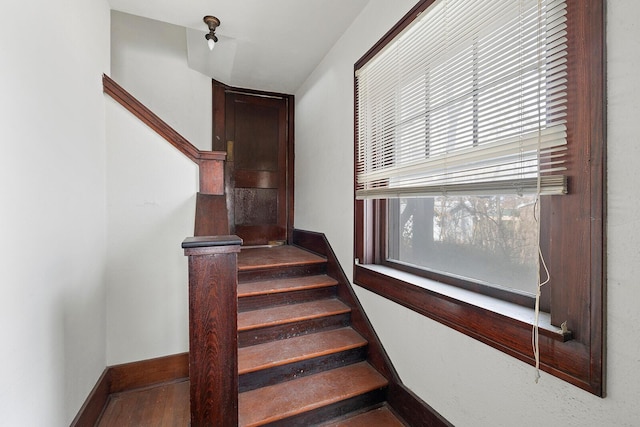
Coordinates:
[211,171]
[213,335]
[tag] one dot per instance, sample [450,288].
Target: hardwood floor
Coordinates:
[164,405]
[167,405]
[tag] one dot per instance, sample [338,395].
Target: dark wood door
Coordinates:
[257,149]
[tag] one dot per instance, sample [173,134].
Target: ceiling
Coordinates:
[270,45]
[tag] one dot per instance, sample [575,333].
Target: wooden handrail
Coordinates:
[213,334]
[210,163]
[129,102]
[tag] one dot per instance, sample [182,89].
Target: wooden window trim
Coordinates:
[578,292]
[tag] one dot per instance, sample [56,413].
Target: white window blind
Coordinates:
[468,99]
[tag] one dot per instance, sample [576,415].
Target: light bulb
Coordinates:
[211,44]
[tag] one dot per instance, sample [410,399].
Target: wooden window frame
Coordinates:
[572,234]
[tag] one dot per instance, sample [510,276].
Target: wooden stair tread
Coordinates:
[280,401]
[266,287]
[290,313]
[279,256]
[278,353]
[379,417]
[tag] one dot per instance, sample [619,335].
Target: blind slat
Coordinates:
[464,95]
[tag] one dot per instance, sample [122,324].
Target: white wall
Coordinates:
[469,383]
[151,209]
[151,189]
[149,59]
[52,207]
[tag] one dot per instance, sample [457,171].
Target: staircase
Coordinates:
[307,354]
[300,362]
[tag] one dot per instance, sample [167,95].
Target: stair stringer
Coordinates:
[406,404]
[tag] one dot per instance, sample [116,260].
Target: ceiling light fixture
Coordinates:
[212,22]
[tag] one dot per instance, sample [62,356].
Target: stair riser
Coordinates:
[300,369]
[281,272]
[283,298]
[289,330]
[326,413]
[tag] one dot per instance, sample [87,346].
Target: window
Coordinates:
[495,235]
[459,124]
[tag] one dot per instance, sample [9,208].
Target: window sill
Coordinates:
[502,325]
[515,312]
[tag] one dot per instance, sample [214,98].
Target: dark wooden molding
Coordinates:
[90,411]
[130,376]
[413,410]
[405,403]
[213,334]
[290,167]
